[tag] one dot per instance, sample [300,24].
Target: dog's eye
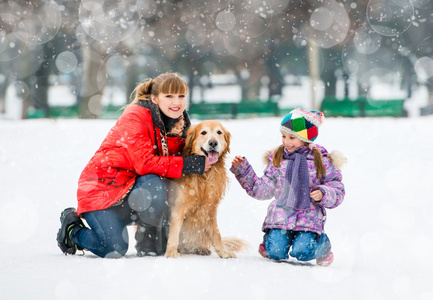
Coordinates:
[203,132]
[219,132]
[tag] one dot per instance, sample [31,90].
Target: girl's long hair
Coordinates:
[167,83]
[278,157]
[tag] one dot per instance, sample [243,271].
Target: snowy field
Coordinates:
[381,234]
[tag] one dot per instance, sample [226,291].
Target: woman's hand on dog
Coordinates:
[237,161]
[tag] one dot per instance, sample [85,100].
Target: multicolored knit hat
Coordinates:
[304,124]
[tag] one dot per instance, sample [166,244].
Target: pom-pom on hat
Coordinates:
[302,123]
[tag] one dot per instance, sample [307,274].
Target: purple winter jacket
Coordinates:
[271,185]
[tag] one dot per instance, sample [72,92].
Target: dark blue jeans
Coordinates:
[305,245]
[108,235]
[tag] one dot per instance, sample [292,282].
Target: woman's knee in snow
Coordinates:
[114,250]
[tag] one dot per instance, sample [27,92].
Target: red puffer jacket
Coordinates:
[129,150]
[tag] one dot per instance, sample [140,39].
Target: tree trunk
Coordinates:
[3,88]
[94,81]
[313,65]
[430,95]
[39,86]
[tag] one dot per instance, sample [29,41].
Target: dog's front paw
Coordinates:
[171,253]
[227,254]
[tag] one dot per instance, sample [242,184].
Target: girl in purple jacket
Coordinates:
[303,180]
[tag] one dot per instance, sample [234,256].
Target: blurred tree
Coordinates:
[266,42]
[418,49]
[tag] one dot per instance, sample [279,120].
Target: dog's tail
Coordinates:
[235,244]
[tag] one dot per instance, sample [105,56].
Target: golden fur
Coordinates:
[194,198]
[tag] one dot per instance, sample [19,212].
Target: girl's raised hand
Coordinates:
[237,160]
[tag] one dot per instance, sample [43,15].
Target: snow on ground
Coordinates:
[381,234]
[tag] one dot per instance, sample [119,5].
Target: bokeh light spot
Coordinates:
[390,17]
[66,62]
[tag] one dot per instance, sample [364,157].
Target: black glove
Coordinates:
[194,164]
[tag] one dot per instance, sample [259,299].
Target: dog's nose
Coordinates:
[213,143]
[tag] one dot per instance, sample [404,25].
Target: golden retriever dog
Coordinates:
[194,198]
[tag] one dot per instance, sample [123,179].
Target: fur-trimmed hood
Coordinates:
[336,157]
[177,129]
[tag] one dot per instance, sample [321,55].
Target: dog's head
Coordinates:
[208,138]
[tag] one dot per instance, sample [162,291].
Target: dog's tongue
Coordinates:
[212,157]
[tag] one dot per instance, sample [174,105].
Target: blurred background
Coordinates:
[82,59]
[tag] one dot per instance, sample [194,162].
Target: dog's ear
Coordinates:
[190,136]
[227,137]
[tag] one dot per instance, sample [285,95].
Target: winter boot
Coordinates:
[162,232]
[325,261]
[69,222]
[262,250]
[146,236]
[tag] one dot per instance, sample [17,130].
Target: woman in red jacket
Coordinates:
[124,182]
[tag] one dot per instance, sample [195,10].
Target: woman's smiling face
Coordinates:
[172,105]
